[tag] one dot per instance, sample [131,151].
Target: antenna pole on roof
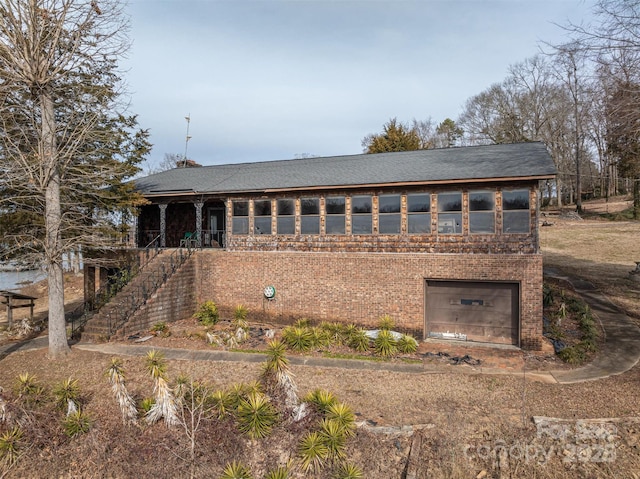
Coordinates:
[186,141]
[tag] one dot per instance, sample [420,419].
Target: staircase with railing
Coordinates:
[115,310]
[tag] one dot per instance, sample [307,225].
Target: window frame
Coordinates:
[508,212]
[482,213]
[309,219]
[331,217]
[285,222]
[239,219]
[395,217]
[263,218]
[361,221]
[418,214]
[449,214]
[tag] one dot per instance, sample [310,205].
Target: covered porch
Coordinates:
[170,223]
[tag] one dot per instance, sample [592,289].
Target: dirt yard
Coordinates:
[456,423]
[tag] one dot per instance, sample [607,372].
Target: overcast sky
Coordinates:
[274,79]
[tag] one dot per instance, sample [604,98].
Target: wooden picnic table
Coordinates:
[14,300]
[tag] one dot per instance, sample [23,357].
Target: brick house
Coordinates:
[445,241]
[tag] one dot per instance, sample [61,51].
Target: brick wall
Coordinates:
[359,287]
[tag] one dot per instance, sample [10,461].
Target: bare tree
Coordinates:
[65,144]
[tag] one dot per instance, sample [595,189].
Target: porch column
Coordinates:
[90,285]
[198,205]
[163,225]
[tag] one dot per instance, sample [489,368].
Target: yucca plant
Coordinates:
[28,389]
[407,344]
[358,340]
[298,338]
[67,395]
[127,405]
[302,323]
[182,384]
[384,344]
[240,391]
[276,372]
[313,452]
[320,337]
[165,405]
[220,403]
[256,415]
[337,332]
[76,423]
[346,470]
[11,445]
[240,313]
[281,472]
[333,437]
[321,399]
[146,404]
[343,415]
[386,322]
[236,470]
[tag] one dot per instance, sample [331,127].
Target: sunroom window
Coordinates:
[240,223]
[286,216]
[310,216]
[419,213]
[335,213]
[361,215]
[482,218]
[262,217]
[450,213]
[516,217]
[389,214]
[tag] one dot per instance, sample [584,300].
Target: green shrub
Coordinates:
[358,340]
[11,445]
[343,415]
[146,404]
[321,337]
[161,329]
[334,438]
[220,402]
[384,344]
[281,472]
[348,471]
[407,344]
[386,322]
[277,362]
[256,415]
[76,423]
[240,313]
[207,314]
[298,338]
[29,390]
[67,390]
[236,470]
[313,452]
[321,399]
[302,323]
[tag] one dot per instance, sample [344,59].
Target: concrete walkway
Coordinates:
[621,349]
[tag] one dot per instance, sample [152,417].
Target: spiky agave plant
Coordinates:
[236,470]
[280,472]
[384,344]
[321,399]
[67,395]
[28,389]
[11,445]
[343,415]
[313,452]
[407,344]
[358,340]
[348,470]
[277,373]
[256,415]
[333,437]
[165,405]
[127,405]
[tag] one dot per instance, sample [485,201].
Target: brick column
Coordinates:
[163,226]
[198,205]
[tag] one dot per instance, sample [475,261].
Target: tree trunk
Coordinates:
[636,198]
[58,345]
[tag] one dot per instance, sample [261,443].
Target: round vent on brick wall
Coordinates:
[269,292]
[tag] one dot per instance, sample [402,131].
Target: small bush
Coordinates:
[236,470]
[67,390]
[29,390]
[298,338]
[161,329]
[334,438]
[358,340]
[343,415]
[321,399]
[240,313]
[146,404]
[313,452]
[386,322]
[76,423]
[348,471]
[207,314]
[302,323]
[384,345]
[220,403]
[11,445]
[281,472]
[407,344]
[321,337]
[256,415]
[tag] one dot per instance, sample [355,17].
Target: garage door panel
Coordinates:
[485,312]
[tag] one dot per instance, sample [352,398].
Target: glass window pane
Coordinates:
[450,223]
[335,225]
[361,224]
[516,221]
[240,226]
[310,225]
[419,223]
[335,205]
[310,206]
[286,207]
[482,223]
[419,203]
[240,208]
[262,207]
[262,225]
[361,204]
[389,224]
[481,201]
[286,225]
[450,202]
[515,200]
[389,204]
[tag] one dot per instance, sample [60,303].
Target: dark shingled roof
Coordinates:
[490,162]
